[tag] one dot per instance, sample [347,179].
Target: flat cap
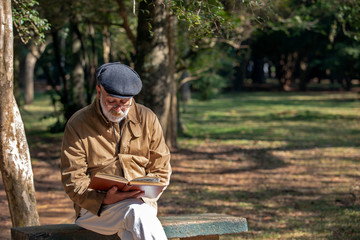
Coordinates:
[119,80]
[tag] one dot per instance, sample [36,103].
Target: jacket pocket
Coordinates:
[133,166]
[112,167]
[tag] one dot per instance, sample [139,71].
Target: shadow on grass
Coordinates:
[273,99]
[300,128]
[303,211]
[259,158]
[306,212]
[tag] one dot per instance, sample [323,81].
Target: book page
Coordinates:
[111,177]
[146,179]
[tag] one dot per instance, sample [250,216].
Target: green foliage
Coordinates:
[214,68]
[349,18]
[209,18]
[203,17]
[321,34]
[27,21]
[323,16]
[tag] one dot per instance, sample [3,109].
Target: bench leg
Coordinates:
[209,237]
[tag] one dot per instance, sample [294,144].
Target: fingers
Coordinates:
[129,194]
[137,194]
[113,190]
[133,194]
[113,195]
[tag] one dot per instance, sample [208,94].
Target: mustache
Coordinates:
[117,113]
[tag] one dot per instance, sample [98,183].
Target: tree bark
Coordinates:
[106,41]
[30,61]
[77,81]
[91,65]
[257,75]
[60,67]
[87,59]
[152,60]
[286,73]
[32,56]
[172,126]
[125,24]
[15,161]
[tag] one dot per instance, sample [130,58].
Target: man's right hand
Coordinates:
[113,195]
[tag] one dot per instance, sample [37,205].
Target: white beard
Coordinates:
[113,116]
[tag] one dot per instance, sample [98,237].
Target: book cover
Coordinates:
[151,186]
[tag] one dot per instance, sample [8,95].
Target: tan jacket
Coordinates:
[93,144]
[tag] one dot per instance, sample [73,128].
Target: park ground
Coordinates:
[284,161]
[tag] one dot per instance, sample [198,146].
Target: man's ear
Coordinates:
[98,90]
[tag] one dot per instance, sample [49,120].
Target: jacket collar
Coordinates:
[134,119]
[133,114]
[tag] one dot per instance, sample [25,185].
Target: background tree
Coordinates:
[307,40]
[30,28]
[153,61]
[34,51]
[15,162]
[95,34]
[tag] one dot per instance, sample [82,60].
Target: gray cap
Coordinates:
[119,80]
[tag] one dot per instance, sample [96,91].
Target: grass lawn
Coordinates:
[285,161]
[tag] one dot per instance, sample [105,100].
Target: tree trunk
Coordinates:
[79,72]
[303,75]
[59,63]
[125,24]
[30,61]
[77,76]
[240,68]
[257,75]
[15,161]
[91,63]
[106,43]
[34,53]
[152,60]
[172,126]
[87,59]
[288,67]
[347,83]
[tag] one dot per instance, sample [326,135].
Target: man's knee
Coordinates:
[140,212]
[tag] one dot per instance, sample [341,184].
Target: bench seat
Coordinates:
[197,226]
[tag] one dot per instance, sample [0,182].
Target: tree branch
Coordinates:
[125,25]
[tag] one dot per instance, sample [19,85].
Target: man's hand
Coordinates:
[113,195]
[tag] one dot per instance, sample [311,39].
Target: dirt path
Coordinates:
[279,191]
[54,206]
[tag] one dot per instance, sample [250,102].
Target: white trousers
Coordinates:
[131,219]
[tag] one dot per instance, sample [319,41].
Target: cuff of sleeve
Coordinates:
[95,206]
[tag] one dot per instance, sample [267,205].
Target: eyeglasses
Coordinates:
[112,105]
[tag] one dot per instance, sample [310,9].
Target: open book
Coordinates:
[150,185]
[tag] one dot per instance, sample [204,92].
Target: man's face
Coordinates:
[114,109]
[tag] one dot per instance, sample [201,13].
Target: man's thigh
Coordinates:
[112,218]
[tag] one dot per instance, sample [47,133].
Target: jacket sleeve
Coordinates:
[159,162]
[74,174]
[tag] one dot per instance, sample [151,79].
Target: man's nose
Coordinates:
[118,107]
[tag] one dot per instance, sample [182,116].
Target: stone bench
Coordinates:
[198,226]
